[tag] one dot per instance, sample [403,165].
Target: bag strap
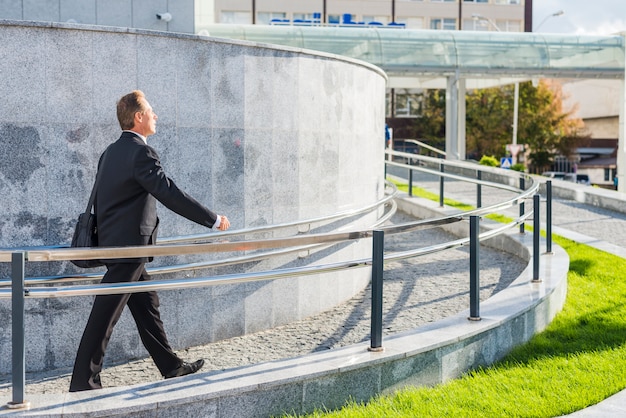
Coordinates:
[92,197]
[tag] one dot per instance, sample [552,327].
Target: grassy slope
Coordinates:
[579,360]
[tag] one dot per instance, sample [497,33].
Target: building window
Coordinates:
[334,19]
[236,17]
[509,25]
[476,1]
[445,24]
[380,19]
[407,105]
[473,24]
[303,16]
[446,1]
[414,23]
[264,18]
[307,17]
[507,1]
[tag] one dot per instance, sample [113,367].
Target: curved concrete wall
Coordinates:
[263,134]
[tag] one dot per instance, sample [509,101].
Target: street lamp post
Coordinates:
[477,16]
[555,14]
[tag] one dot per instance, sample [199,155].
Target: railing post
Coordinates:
[17,322]
[479,193]
[376,341]
[522,186]
[474,269]
[549,216]
[441,169]
[536,236]
[410,181]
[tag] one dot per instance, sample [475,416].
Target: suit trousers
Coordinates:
[105,313]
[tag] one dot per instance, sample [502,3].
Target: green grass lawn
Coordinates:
[577,361]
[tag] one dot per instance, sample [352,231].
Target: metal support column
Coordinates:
[474,268]
[536,236]
[455,117]
[479,193]
[522,186]
[621,135]
[17,322]
[549,216]
[452,117]
[376,341]
[441,180]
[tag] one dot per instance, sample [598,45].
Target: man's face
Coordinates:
[145,122]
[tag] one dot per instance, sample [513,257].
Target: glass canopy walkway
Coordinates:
[456,61]
[424,54]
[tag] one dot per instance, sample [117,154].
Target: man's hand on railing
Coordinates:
[224,223]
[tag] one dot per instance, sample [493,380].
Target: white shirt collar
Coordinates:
[143,138]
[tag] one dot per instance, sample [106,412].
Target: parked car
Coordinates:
[554,174]
[577,178]
[571,177]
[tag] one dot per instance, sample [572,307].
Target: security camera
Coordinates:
[166,17]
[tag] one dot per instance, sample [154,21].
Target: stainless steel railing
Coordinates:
[387,200]
[22,288]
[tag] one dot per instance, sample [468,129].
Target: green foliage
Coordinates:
[518,167]
[543,124]
[489,160]
[489,117]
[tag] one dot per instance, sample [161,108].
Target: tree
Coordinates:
[489,119]
[543,125]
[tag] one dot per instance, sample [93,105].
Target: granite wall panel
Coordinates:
[265,135]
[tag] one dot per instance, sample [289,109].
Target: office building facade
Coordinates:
[487,15]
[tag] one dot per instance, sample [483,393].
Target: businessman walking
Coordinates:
[132,180]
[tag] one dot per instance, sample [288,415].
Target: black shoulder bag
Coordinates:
[86,231]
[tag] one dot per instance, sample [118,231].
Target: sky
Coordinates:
[589,17]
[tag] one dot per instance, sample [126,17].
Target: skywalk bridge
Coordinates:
[455,60]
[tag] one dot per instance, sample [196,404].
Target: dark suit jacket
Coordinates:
[131,182]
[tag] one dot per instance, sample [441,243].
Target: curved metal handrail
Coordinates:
[533,185]
[387,201]
[422,145]
[291,244]
[244,231]
[279,246]
[189,266]
[156,285]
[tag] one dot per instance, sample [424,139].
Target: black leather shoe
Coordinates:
[185,369]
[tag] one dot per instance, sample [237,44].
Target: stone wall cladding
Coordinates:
[261,133]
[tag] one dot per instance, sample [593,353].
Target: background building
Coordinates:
[190,16]
[597,103]
[176,15]
[490,15]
